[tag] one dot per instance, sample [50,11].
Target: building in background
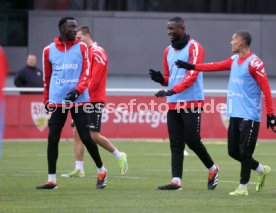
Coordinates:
[14,14]
[126,29]
[23,30]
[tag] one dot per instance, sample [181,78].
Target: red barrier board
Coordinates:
[124,117]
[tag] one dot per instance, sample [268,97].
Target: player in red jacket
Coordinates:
[247,82]
[185,98]
[66,72]
[3,71]
[97,87]
[3,74]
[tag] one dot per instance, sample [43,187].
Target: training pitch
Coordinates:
[23,166]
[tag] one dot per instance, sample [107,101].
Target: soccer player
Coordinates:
[185,102]
[97,86]
[247,81]
[66,73]
[3,74]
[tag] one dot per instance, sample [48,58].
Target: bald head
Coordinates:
[31,60]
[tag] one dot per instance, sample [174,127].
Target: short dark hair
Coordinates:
[85,30]
[177,19]
[64,20]
[246,36]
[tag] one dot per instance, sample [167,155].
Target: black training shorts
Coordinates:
[95,117]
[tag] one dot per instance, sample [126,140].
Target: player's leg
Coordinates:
[107,145]
[78,155]
[247,142]
[95,128]
[55,125]
[233,138]
[95,120]
[103,142]
[192,119]
[78,146]
[177,145]
[234,132]
[249,135]
[81,119]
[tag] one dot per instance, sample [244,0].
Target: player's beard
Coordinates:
[71,36]
[181,42]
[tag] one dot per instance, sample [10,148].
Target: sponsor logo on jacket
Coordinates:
[60,67]
[66,81]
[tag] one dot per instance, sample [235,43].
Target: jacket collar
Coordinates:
[66,44]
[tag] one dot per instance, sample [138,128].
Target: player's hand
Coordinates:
[72,96]
[185,65]
[271,122]
[163,93]
[156,76]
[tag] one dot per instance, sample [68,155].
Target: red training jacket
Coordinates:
[3,70]
[99,70]
[256,69]
[47,66]
[196,53]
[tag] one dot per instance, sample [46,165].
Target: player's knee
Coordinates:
[52,143]
[194,146]
[86,138]
[245,156]
[175,147]
[54,133]
[232,154]
[53,139]
[95,136]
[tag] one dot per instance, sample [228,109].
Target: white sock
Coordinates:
[117,154]
[213,168]
[260,168]
[101,170]
[243,186]
[52,178]
[79,165]
[176,180]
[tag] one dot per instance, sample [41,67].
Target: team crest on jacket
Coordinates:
[39,115]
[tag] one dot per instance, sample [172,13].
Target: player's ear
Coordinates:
[241,42]
[62,29]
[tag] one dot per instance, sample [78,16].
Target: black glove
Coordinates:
[72,96]
[270,122]
[156,76]
[163,93]
[185,65]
